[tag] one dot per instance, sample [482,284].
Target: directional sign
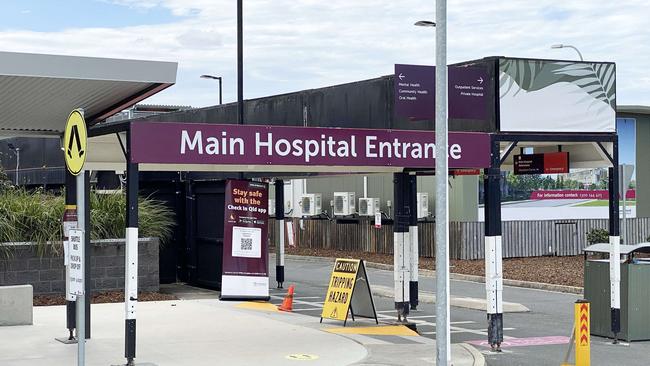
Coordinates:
[75,141]
[583,343]
[76,262]
[468,92]
[415,91]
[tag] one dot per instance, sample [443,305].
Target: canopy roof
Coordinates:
[38,92]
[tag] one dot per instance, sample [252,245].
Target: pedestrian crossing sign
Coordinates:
[75,142]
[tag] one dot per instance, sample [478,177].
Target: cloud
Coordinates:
[298,44]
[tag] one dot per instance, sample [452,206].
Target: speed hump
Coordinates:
[75,142]
[348,292]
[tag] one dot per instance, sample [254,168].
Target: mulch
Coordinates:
[102,298]
[566,271]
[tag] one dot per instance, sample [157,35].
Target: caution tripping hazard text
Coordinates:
[339,292]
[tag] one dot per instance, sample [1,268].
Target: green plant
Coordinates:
[36,217]
[595,236]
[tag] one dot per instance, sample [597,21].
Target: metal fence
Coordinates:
[467,239]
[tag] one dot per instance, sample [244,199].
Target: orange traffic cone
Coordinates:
[287,303]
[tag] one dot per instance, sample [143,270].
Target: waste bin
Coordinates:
[635,291]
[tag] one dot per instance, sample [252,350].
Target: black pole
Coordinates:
[401,244]
[87,252]
[240,63]
[220,91]
[131,270]
[614,231]
[492,205]
[413,223]
[70,201]
[279,242]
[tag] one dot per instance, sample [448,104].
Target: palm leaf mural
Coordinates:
[595,79]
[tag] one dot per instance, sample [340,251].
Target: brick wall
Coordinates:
[47,274]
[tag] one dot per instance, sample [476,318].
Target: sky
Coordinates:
[291,45]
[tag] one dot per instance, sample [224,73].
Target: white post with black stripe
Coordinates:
[493,250]
[614,245]
[401,246]
[131,264]
[413,233]
[279,244]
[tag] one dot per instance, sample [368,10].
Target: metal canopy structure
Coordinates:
[38,91]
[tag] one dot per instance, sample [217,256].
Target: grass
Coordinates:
[603,203]
[35,216]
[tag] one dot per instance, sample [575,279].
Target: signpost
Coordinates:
[348,292]
[548,163]
[75,151]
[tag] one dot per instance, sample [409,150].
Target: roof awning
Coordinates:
[38,92]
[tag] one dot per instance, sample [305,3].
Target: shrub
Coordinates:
[36,217]
[595,236]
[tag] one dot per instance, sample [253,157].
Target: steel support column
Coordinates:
[279,243]
[70,203]
[413,233]
[131,258]
[615,245]
[401,252]
[493,263]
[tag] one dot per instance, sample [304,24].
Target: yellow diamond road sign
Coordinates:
[75,141]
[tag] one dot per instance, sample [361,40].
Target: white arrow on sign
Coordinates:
[480,80]
[401,76]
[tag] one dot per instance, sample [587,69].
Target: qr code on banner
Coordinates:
[246,244]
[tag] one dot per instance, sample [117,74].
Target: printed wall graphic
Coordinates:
[245,245]
[557,96]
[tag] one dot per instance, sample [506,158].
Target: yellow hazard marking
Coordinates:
[394,330]
[75,142]
[302,357]
[257,305]
[339,292]
[582,334]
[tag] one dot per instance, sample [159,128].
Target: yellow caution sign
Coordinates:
[582,334]
[75,142]
[348,292]
[339,293]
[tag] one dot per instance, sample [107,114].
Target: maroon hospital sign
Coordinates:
[192,143]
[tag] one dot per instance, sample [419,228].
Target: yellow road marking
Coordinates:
[257,305]
[395,330]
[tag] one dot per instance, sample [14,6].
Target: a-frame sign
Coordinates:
[348,292]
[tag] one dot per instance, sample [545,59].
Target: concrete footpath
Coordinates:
[201,330]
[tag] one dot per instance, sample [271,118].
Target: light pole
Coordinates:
[443,345]
[218,78]
[240,62]
[557,46]
[16,151]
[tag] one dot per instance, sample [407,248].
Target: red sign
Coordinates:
[600,194]
[549,163]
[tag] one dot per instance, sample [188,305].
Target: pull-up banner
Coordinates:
[245,245]
[193,143]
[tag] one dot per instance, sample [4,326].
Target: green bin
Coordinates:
[635,291]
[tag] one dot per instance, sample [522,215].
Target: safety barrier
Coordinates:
[467,239]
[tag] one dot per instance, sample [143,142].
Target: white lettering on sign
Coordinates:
[308,149]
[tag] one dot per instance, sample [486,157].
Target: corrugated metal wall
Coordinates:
[467,239]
